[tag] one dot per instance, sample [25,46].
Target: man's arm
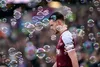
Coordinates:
[55,65]
[69,48]
[72,54]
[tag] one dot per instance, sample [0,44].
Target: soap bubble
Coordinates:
[17,14]
[30,35]
[59,27]
[13,63]
[3,3]
[40,53]
[21,60]
[93,39]
[90,23]
[4,20]
[96,3]
[98,34]
[38,26]
[90,35]
[45,21]
[80,32]
[4,9]
[12,51]
[48,60]
[40,8]
[98,9]
[45,12]
[4,29]
[91,9]
[47,48]
[96,46]
[82,27]
[53,17]
[53,37]
[92,59]
[18,54]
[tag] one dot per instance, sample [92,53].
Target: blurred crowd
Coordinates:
[85,29]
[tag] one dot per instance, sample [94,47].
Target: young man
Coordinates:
[66,55]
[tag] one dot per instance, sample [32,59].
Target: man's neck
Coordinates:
[64,27]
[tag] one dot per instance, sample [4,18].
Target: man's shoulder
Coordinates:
[66,33]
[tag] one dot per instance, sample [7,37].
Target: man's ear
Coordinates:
[59,22]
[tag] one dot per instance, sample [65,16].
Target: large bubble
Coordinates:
[40,53]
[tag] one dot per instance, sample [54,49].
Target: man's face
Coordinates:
[53,25]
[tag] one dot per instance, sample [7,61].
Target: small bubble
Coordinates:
[40,8]
[53,37]
[40,53]
[47,48]
[92,59]
[91,9]
[90,23]
[48,60]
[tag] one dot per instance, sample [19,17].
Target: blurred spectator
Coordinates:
[97,64]
[1,63]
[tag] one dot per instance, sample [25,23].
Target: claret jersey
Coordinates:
[65,43]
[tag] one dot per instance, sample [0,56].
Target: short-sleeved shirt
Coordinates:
[62,58]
